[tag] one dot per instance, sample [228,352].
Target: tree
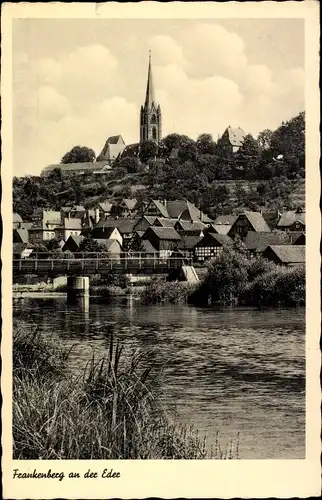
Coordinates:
[79,154]
[170,142]
[247,158]
[289,138]
[264,139]
[128,163]
[90,245]
[148,150]
[206,145]
[227,275]
[52,244]
[187,149]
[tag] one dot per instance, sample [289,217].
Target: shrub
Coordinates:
[227,276]
[161,291]
[282,286]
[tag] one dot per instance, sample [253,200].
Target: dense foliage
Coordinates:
[235,278]
[79,154]
[264,173]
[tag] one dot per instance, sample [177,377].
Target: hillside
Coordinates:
[267,172]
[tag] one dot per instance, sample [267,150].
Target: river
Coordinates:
[233,370]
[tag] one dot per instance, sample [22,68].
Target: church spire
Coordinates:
[149,96]
[150,115]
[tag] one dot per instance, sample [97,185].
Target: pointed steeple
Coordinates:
[150,114]
[149,96]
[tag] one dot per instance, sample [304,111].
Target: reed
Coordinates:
[110,411]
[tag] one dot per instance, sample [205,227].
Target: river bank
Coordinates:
[223,369]
[111,411]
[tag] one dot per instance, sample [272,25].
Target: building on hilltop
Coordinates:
[113,148]
[232,139]
[150,115]
[67,169]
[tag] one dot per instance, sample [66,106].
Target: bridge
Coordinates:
[89,263]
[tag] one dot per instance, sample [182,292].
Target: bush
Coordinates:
[161,291]
[280,287]
[227,276]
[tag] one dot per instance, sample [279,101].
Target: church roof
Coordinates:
[149,96]
[114,139]
[236,135]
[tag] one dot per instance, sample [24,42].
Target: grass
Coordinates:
[111,411]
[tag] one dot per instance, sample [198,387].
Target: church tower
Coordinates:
[150,115]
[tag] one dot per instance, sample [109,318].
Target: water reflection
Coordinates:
[232,370]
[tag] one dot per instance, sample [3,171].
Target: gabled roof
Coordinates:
[163,233]
[107,243]
[258,241]
[256,220]
[124,225]
[149,218]
[23,234]
[164,222]
[71,167]
[296,237]
[17,217]
[160,206]
[139,233]
[271,217]
[289,254]
[288,218]
[108,231]
[18,248]
[190,226]
[189,242]
[236,135]
[105,206]
[130,203]
[222,239]
[114,139]
[77,239]
[219,228]
[176,208]
[225,219]
[148,247]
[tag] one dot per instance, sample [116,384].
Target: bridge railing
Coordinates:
[165,255]
[135,262]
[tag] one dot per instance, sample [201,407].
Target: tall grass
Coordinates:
[111,411]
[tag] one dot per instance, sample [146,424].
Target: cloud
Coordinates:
[213,50]
[166,50]
[203,78]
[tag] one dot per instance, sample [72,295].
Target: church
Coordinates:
[150,115]
[150,129]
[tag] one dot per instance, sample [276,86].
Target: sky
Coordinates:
[79,81]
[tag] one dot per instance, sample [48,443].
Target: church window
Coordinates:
[153,119]
[154,133]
